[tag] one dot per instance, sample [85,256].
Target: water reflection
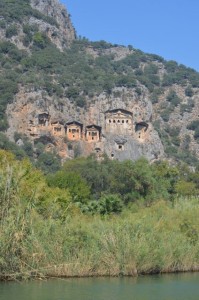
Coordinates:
[165,287]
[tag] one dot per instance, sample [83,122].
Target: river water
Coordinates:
[164,287]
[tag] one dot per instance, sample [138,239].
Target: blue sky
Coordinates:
[169,28]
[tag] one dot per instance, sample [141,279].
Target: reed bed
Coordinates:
[157,239]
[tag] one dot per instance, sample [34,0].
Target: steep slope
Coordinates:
[78,97]
[64,34]
[21,21]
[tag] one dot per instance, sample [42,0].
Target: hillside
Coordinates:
[72,97]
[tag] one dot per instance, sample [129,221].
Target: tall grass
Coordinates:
[156,239]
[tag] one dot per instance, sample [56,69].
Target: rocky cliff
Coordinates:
[25,112]
[45,16]
[61,35]
[78,97]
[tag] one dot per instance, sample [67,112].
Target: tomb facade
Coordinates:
[58,128]
[141,130]
[43,119]
[93,133]
[74,130]
[119,121]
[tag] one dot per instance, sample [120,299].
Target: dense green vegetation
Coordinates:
[128,182]
[44,231]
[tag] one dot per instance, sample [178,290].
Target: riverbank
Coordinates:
[162,238]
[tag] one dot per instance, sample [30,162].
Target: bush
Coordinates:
[40,40]
[165,114]
[171,66]
[193,125]
[196,133]
[2,24]
[77,186]
[189,91]
[110,204]
[155,95]
[11,31]
[173,98]
[185,188]
[48,162]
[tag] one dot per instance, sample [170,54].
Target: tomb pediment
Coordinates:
[94,128]
[55,122]
[118,113]
[74,123]
[43,115]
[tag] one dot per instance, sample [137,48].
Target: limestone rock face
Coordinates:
[62,33]
[61,36]
[121,128]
